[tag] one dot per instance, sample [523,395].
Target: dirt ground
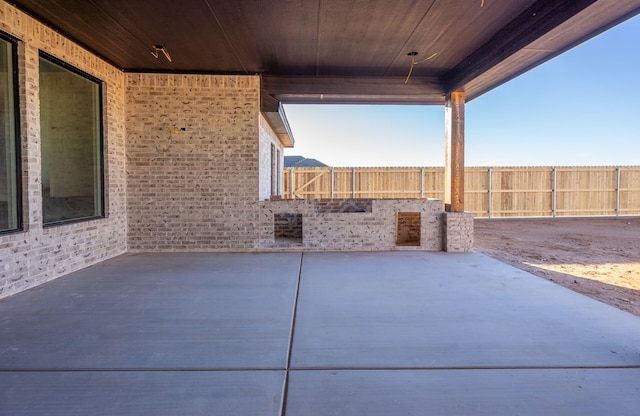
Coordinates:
[597,257]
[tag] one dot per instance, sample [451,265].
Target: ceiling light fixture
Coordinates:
[159,48]
[413,55]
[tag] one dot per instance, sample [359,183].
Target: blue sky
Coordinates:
[581,108]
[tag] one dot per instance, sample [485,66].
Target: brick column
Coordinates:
[457,232]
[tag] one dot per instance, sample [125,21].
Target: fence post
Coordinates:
[291,184]
[422,183]
[490,193]
[554,193]
[353,182]
[617,191]
[331,191]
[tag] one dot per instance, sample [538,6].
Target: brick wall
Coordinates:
[287,226]
[325,206]
[325,229]
[197,190]
[36,255]
[458,232]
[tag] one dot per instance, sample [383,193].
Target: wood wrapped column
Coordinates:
[454,152]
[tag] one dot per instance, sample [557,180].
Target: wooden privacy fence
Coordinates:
[490,192]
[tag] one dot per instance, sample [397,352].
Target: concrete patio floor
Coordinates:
[401,333]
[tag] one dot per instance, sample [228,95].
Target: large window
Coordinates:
[71,139]
[10,206]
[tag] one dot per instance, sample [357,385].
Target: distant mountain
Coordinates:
[302,162]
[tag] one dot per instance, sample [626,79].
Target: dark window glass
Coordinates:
[71,140]
[10,206]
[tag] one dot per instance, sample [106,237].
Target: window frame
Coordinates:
[101,162]
[17,150]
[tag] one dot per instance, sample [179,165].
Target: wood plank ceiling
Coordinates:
[336,50]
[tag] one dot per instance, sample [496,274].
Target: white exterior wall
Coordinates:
[268,138]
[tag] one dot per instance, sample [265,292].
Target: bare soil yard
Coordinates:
[597,257]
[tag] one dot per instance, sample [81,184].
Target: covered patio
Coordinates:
[153,288]
[313,334]
[174,139]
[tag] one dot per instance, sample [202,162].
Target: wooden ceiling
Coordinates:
[337,51]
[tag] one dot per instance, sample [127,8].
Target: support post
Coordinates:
[353,182]
[292,182]
[490,201]
[618,191]
[554,192]
[454,152]
[332,190]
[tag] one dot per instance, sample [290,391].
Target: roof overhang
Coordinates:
[335,51]
[273,112]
